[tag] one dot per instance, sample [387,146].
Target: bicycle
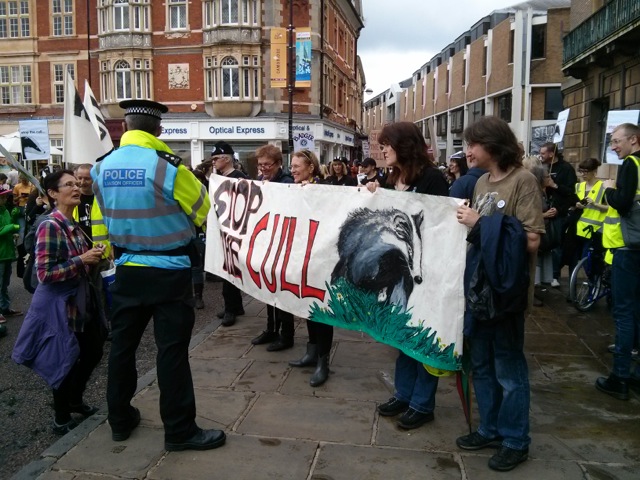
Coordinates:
[591,278]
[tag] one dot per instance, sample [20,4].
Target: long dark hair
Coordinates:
[411,151]
[497,138]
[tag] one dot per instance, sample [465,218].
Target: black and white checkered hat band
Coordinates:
[154,112]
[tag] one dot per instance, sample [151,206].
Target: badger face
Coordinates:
[409,231]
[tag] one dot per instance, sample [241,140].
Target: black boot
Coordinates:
[197,293]
[322,371]
[282,343]
[267,336]
[309,358]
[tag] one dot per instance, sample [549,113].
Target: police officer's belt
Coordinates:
[176,252]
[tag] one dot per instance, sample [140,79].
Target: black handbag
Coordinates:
[552,238]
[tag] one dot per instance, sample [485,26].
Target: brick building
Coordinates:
[603,73]
[210,61]
[507,64]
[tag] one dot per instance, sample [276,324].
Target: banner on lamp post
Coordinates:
[303,57]
[278,57]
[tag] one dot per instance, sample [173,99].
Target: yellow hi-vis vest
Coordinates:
[99,233]
[612,230]
[590,215]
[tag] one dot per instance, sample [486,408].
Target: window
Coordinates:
[59,70]
[441,122]
[448,80]
[59,144]
[62,17]
[230,80]
[464,71]
[504,107]
[552,103]
[538,41]
[14,19]
[123,80]
[512,44]
[177,14]
[229,11]
[457,121]
[476,110]
[484,60]
[15,85]
[121,15]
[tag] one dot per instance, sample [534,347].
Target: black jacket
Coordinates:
[496,277]
[563,197]
[281,177]
[621,197]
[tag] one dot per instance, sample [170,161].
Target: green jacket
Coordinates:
[7,229]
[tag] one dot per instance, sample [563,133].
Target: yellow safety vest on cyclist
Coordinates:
[612,229]
[591,216]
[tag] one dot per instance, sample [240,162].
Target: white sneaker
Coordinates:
[555,283]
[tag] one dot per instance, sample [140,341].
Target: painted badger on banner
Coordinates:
[381,251]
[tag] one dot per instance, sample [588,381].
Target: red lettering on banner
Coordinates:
[261,226]
[285,285]
[308,290]
[271,285]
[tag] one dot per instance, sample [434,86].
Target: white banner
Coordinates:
[34,136]
[390,264]
[615,118]
[81,142]
[561,126]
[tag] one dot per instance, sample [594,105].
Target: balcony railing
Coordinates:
[614,18]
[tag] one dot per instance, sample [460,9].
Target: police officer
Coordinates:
[625,269]
[222,157]
[150,204]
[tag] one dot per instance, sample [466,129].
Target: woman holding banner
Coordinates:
[305,169]
[405,152]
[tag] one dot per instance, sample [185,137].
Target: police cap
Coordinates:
[143,107]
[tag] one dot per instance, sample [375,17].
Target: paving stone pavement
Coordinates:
[278,427]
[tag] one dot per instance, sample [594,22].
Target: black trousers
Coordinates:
[138,294]
[232,297]
[277,319]
[70,391]
[321,335]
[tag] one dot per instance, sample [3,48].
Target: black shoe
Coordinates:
[229,319]
[265,337]
[614,386]
[199,303]
[121,436]
[392,408]
[280,344]
[507,459]
[475,441]
[63,428]
[414,419]
[309,358]
[222,313]
[203,440]
[321,374]
[83,409]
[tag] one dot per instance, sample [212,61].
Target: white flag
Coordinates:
[97,119]
[81,142]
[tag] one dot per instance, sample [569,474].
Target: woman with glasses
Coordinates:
[593,206]
[62,336]
[280,327]
[305,169]
[405,152]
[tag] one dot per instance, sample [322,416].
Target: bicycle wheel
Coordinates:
[584,286]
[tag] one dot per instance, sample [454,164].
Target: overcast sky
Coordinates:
[402,35]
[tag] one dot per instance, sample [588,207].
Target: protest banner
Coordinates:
[390,264]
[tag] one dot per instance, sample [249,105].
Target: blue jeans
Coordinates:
[501,381]
[414,385]
[5,278]
[625,291]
